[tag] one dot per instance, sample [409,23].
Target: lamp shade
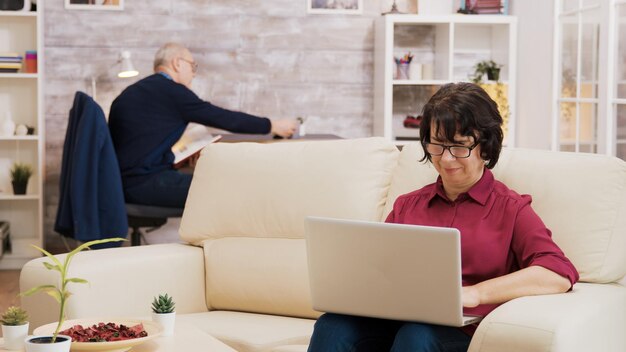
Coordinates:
[127,69]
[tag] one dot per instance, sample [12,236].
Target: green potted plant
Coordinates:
[60,293]
[20,173]
[489,68]
[163,313]
[14,327]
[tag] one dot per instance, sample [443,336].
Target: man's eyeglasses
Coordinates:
[194,65]
[457,151]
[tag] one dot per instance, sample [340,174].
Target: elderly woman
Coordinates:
[507,251]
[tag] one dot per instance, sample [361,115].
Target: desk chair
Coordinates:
[91,200]
[140,215]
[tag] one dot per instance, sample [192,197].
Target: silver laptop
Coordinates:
[390,271]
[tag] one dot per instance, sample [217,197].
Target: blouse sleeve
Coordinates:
[533,245]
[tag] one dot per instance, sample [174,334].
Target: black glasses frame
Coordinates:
[453,149]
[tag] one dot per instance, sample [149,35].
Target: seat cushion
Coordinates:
[266,190]
[248,332]
[580,197]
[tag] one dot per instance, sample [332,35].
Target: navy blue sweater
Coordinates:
[151,115]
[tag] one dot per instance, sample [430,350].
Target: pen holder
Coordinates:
[403,70]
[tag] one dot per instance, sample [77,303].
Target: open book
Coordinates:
[192,141]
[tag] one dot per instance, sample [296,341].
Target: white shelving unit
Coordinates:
[22,95]
[447,47]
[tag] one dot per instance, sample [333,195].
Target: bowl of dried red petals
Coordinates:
[114,334]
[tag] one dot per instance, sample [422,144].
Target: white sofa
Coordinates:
[243,278]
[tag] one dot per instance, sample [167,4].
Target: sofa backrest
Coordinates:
[247,204]
[580,197]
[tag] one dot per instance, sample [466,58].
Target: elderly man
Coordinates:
[149,116]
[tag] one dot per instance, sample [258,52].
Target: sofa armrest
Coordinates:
[122,282]
[590,318]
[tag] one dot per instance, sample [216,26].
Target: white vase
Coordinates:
[166,321]
[62,344]
[7,125]
[14,336]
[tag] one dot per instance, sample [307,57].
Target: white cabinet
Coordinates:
[21,96]
[445,49]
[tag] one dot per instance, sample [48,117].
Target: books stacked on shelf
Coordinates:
[10,62]
[484,7]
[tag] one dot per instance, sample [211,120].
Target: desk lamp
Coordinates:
[126,70]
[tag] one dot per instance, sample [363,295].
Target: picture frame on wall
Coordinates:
[346,7]
[94,5]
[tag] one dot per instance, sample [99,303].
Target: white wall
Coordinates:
[534,75]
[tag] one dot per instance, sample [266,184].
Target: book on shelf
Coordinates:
[485,7]
[193,140]
[10,56]
[10,65]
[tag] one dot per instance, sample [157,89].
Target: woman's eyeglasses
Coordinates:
[194,65]
[457,151]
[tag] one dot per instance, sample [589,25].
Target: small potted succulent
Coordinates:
[57,342]
[20,173]
[163,313]
[14,328]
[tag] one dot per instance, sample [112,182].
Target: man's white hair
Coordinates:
[167,53]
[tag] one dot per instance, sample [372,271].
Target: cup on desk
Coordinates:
[301,131]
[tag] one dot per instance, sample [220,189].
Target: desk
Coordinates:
[269,138]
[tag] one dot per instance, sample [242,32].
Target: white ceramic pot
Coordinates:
[62,344]
[26,5]
[166,321]
[14,336]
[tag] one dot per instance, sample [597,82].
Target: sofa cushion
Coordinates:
[248,332]
[262,275]
[580,197]
[410,174]
[266,190]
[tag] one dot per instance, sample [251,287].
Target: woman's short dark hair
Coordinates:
[464,108]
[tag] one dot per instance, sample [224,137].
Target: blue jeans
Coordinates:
[168,188]
[336,332]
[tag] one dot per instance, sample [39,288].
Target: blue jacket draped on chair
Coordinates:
[91,201]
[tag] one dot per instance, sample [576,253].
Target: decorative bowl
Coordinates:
[151,328]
